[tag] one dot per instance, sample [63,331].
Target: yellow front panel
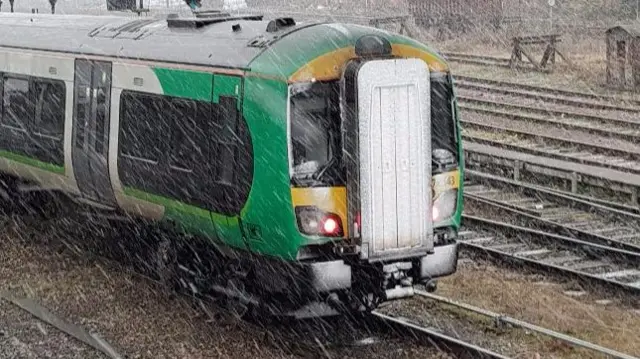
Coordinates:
[328,199]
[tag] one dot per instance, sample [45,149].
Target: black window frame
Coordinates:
[59,136]
[31,110]
[332,172]
[29,141]
[198,185]
[449,122]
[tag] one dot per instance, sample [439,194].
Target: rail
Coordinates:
[459,348]
[555,211]
[578,95]
[551,253]
[624,183]
[501,318]
[38,311]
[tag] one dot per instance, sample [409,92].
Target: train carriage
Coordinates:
[325,156]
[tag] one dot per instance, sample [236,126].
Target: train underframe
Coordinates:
[335,282]
[250,284]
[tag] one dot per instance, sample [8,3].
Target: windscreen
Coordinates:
[315,135]
[442,121]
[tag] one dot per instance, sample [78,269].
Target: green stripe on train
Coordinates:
[32,162]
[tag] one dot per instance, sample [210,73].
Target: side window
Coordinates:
[187,147]
[17,106]
[50,109]
[141,127]
[227,139]
[102,82]
[82,93]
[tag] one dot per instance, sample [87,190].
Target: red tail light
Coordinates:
[313,221]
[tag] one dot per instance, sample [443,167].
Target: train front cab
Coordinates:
[369,173]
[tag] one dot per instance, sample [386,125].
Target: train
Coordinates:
[313,169]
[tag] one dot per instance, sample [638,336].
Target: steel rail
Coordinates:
[621,183]
[564,199]
[623,263]
[555,226]
[617,205]
[478,60]
[443,342]
[592,203]
[530,118]
[604,119]
[566,156]
[474,56]
[504,319]
[38,311]
[478,86]
[628,154]
[549,90]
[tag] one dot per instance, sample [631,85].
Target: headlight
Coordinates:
[444,205]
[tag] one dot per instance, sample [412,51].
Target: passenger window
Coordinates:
[17,106]
[102,112]
[82,108]
[143,127]
[50,109]
[186,135]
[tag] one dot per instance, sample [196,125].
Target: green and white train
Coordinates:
[322,161]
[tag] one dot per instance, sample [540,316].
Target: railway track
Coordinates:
[610,126]
[594,200]
[90,339]
[549,94]
[587,262]
[298,337]
[449,344]
[477,59]
[594,150]
[545,143]
[554,211]
[503,320]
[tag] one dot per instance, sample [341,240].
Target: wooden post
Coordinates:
[549,55]
[635,62]
[609,62]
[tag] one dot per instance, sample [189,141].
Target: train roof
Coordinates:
[278,47]
[140,38]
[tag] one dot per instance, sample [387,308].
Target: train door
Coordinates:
[227,99]
[92,90]
[392,121]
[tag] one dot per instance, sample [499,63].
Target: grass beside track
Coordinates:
[533,299]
